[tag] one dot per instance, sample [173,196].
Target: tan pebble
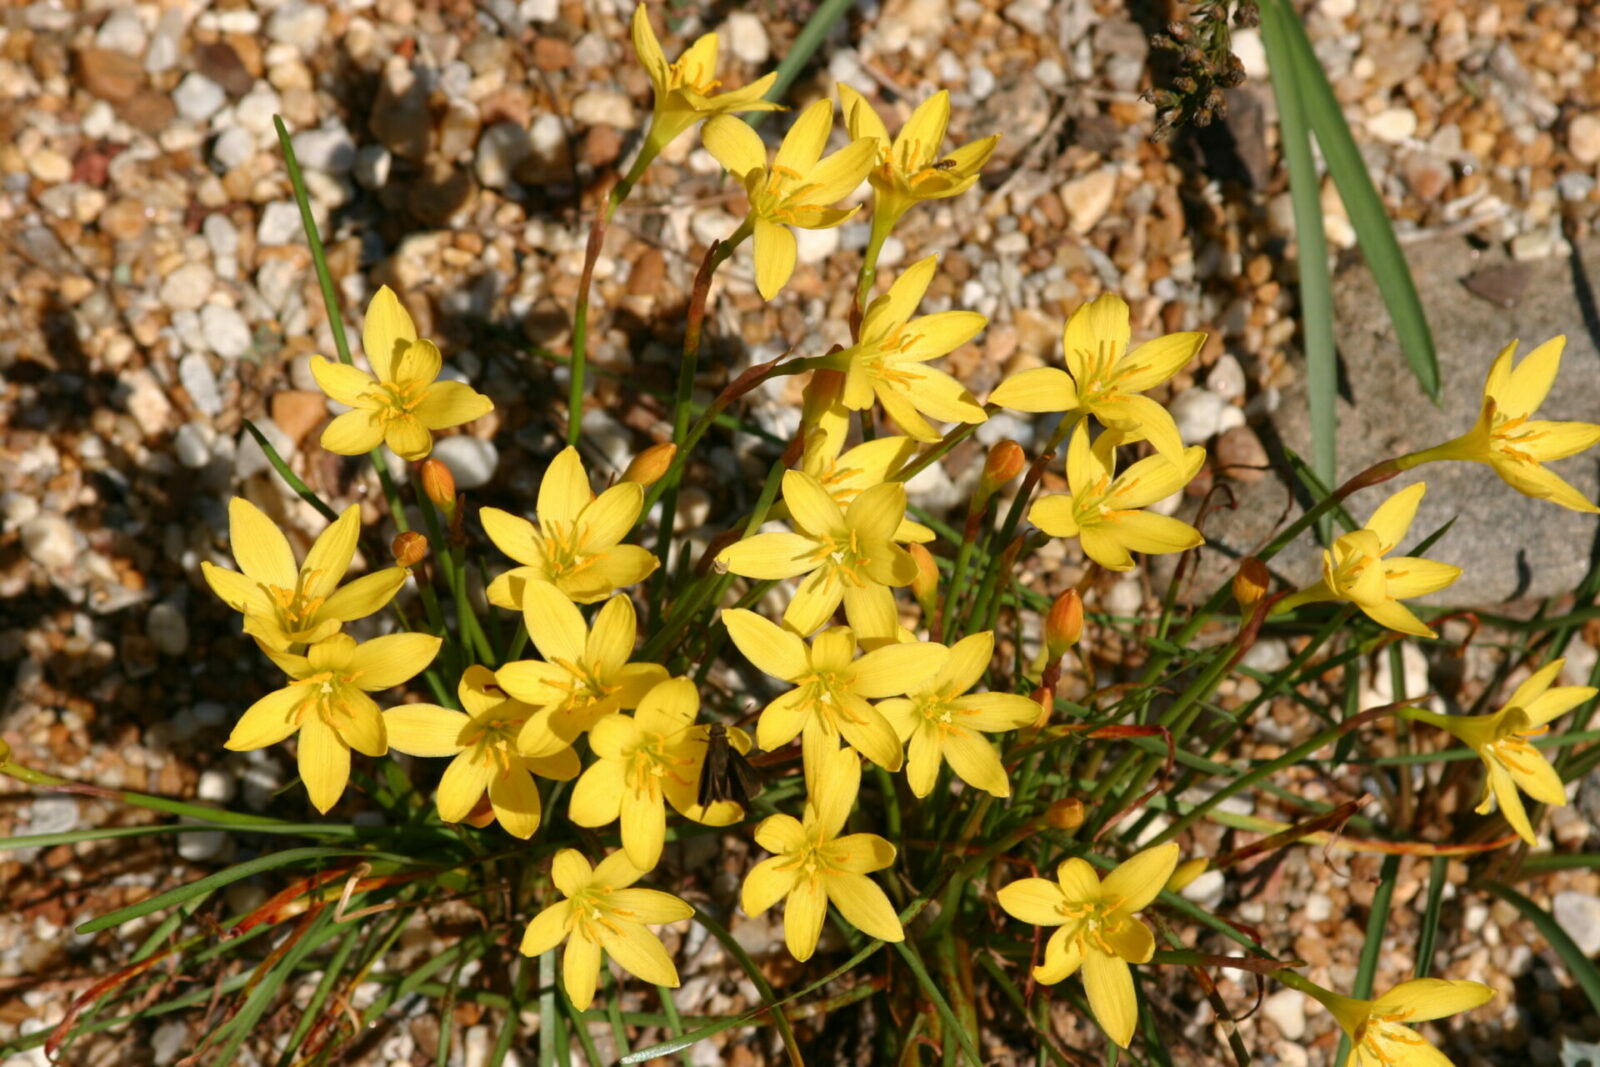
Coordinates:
[110,75]
[1087,199]
[1583,139]
[1393,125]
[297,412]
[50,166]
[647,273]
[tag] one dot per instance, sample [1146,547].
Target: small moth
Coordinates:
[726,774]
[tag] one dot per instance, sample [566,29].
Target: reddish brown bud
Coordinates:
[409,548]
[925,586]
[440,486]
[1006,460]
[1251,583]
[1065,814]
[648,466]
[1063,626]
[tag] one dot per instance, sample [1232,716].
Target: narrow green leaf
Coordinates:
[930,989]
[1361,200]
[1377,921]
[289,476]
[1430,915]
[1316,285]
[812,34]
[1581,967]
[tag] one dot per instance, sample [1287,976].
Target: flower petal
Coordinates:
[815,601]
[1062,955]
[612,637]
[1156,361]
[870,734]
[448,404]
[391,659]
[597,796]
[896,306]
[418,363]
[649,906]
[515,799]
[1529,382]
[1055,515]
[1041,389]
[896,669]
[407,438]
[1410,576]
[260,548]
[775,255]
[1422,999]
[1036,901]
[802,146]
[1079,881]
[734,144]
[1139,879]
[976,762]
[324,763]
[570,872]
[425,729]
[563,491]
[387,330]
[767,883]
[640,953]
[644,827]
[771,556]
[864,906]
[364,596]
[554,623]
[354,433]
[546,929]
[1394,516]
[1100,326]
[580,970]
[462,786]
[240,592]
[513,535]
[859,117]
[802,917]
[833,795]
[1109,983]
[340,381]
[769,647]
[269,720]
[1145,531]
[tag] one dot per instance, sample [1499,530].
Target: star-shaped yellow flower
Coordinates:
[847,555]
[686,90]
[402,401]
[585,674]
[1354,569]
[1103,509]
[846,473]
[890,362]
[909,168]
[284,605]
[483,741]
[1380,1030]
[604,913]
[945,723]
[647,762]
[1104,378]
[829,701]
[813,865]
[326,703]
[795,190]
[1097,928]
[1501,741]
[1508,438]
[577,543]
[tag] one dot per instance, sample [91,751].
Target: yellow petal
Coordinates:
[1037,901]
[771,555]
[341,381]
[871,611]
[782,720]
[859,117]
[1096,328]
[365,595]
[1529,382]
[1395,616]
[895,669]
[616,871]
[570,872]
[1062,955]
[813,509]
[775,254]
[388,330]
[1156,478]
[1138,879]
[1109,984]
[354,433]
[864,906]
[362,727]
[1078,881]
[239,592]
[644,828]
[330,555]
[976,762]
[837,176]
[418,363]
[1394,516]
[1156,361]
[1534,775]
[1132,941]
[802,917]
[1422,999]
[513,535]
[1410,576]
[612,636]
[1055,515]
[1140,414]
[1041,389]
[648,48]
[609,517]
[1145,531]
[1541,483]
[268,721]
[546,929]
[554,623]
[597,796]
[734,144]
[834,794]
[407,438]
[450,404]
[640,953]
[1546,441]
[870,734]
[394,658]
[260,548]
[324,763]
[896,306]
[425,729]
[767,883]
[564,490]
[650,905]
[462,786]
[919,139]
[515,800]
[580,970]
[802,146]
[966,663]
[616,568]
[534,682]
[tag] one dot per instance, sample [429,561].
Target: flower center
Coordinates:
[1381,1039]
[564,548]
[691,76]
[327,696]
[844,556]
[1509,439]
[297,609]
[885,361]
[1101,374]
[1099,920]
[819,699]
[655,760]
[398,400]
[493,741]
[782,197]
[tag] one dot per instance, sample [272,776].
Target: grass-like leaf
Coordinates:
[1578,965]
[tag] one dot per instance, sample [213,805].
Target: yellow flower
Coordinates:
[1354,570]
[1501,741]
[577,543]
[888,363]
[483,741]
[285,605]
[847,555]
[1103,508]
[585,674]
[646,762]
[326,703]
[831,688]
[795,190]
[1096,928]
[1509,439]
[909,169]
[1104,378]
[402,401]
[943,725]
[1380,1030]
[846,475]
[603,912]
[812,865]
[686,91]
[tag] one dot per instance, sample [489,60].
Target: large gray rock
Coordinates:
[1510,546]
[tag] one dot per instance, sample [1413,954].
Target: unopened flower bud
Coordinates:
[1065,814]
[822,392]
[1004,462]
[925,586]
[409,548]
[1186,872]
[648,466]
[1063,626]
[440,487]
[1251,583]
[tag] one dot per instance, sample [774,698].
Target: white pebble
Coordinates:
[1226,378]
[122,32]
[747,38]
[297,23]
[205,845]
[193,443]
[49,540]
[1199,415]
[372,166]
[16,508]
[1393,125]
[471,459]
[197,379]
[197,97]
[816,245]
[1579,915]
[329,148]
[603,107]
[186,288]
[216,786]
[225,331]
[279,223]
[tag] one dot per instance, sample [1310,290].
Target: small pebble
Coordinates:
[603,107]
[500,149]
[279,223]
[49,540]
[746,37]
[166,626]
[1393,125]
[1088,198]
[225,331]
[197,379]
[197,97]
[1287,1010]
[328,148]
[186,288]
[815,246]
[122,32]
[372,166]
[16,508]
[193,443]
[146,401]
[297,23]
[233,147]
[472,460]
[1199,414]
[1583,139]
[1579,915]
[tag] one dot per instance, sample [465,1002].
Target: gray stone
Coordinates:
[197,97]
[225,331]
[167,628]
[328,148]
[122,32]
[1579,915]
[197,379]
[372,166]
[233,146]
[500,149]
[297,23]
[279,224]
[1510,546]
[193,443]
[471,459]
[186,288]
